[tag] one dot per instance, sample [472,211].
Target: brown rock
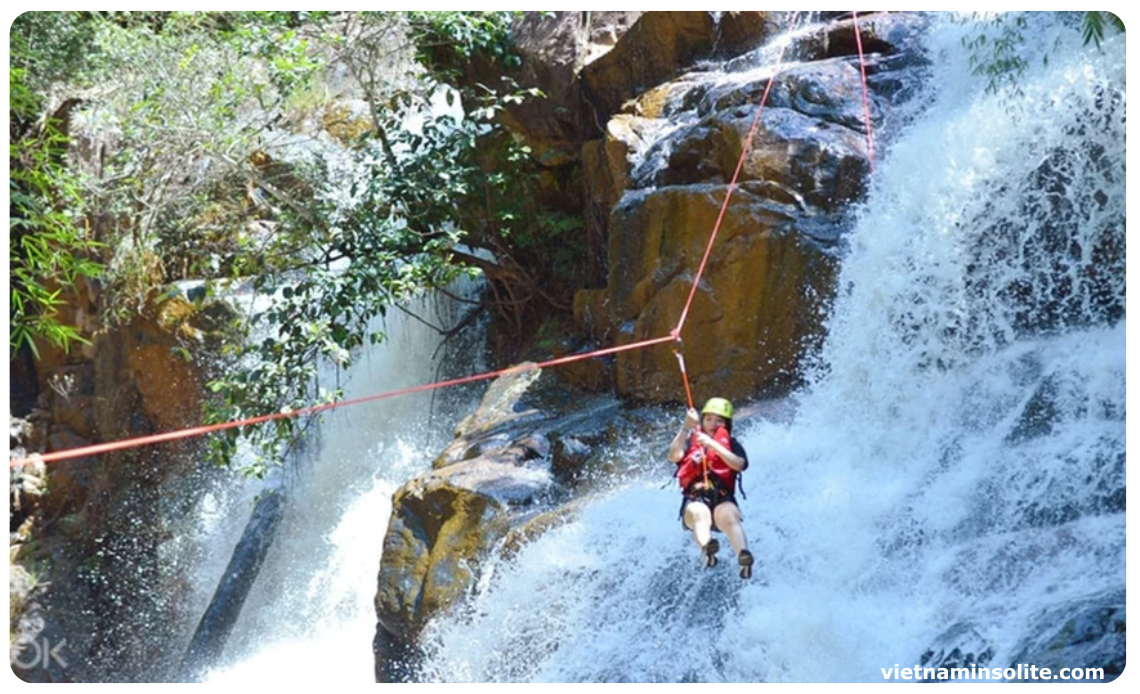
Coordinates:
[740,32]
[170,386]
[656,48]
[607,174]
[659,46]
[554,46]
[754,313]
[69,481]
[605,163]
[144,377]
[659,102]
[442,527]
[605,29]
[880,32]
[484,431]
[500,402]
[591,375]
[446,523]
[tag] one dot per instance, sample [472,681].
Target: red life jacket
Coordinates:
[691,469]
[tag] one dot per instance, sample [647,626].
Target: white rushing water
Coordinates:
[952,461]
[958,457]
[309,617]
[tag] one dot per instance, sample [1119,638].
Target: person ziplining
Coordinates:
[709,460]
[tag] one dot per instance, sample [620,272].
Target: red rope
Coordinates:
[866,98]
[732,184]
[684,377]
[99,448]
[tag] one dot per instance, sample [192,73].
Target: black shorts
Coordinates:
[709,497]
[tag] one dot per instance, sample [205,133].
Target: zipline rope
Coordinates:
[732,184]
[689,396]
[684,377]
[673,336]
[210,428]
[866,98]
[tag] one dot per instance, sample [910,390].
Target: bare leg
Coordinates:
[698,519]
[728,520]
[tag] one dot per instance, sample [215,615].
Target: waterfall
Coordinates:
[956,461]
[310,612]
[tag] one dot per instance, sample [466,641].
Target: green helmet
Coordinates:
[718,406]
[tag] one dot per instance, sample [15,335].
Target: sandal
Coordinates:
[710,550]
[745,560]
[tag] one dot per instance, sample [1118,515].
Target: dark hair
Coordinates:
[727,422]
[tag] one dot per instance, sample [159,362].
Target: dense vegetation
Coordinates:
[48,245]
[225,147]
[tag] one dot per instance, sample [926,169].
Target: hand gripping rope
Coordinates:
[673,336]
[689,396]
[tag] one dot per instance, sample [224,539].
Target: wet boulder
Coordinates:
[493,429]
[446,523]
[439,531]
[659,46]
[1086,633]
[509,476]
[959,646]
[881,33]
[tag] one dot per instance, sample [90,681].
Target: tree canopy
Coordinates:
[332,161]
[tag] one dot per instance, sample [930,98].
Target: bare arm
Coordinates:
[677,445]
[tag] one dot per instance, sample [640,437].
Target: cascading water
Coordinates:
[956,463]
[310,612]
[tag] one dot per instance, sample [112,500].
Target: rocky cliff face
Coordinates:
[86,532]
[662,119]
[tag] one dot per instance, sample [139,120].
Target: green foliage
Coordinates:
[997,56]
[382,225]
[48,48]
[274,37]
[49,248]
[446,41]
[188,127]
[1095,23]
[997,52]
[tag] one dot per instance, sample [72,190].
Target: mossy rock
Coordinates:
[438,535]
